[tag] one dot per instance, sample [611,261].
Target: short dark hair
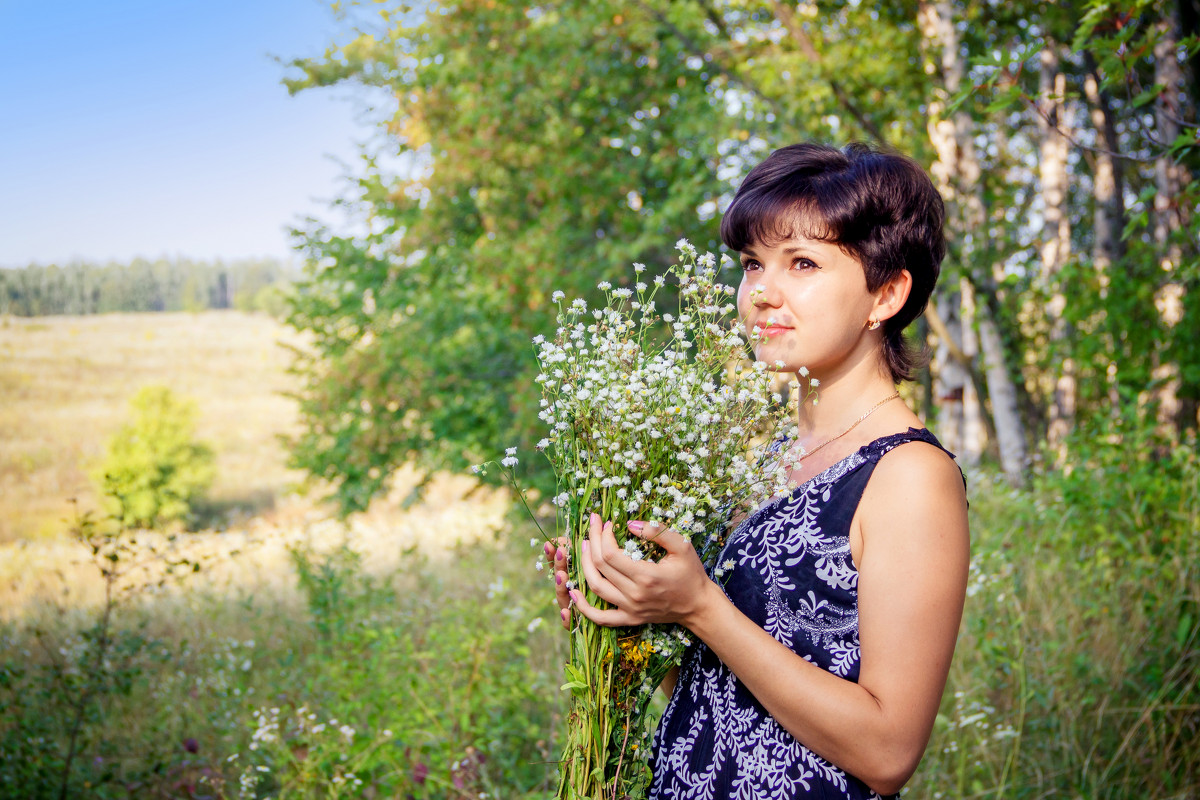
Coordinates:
[878,206]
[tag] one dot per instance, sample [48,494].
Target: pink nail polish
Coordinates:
[558,579]
[560,554]
[563,614]
[635,526]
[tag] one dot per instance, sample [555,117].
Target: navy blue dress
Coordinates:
[792,574]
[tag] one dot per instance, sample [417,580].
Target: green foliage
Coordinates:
[415,688]
[1077,672]
[1075,676]
[59,700]
[155,469]
[548,148]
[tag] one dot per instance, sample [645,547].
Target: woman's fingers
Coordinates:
[611,617]
[667,538]
[597,581]
[640,591]
[557,554]
[607,557]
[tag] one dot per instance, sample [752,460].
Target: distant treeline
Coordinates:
[143,285]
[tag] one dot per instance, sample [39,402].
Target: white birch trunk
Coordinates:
[957,174]
[1169,298]
[1107,214]
[1056,243]
[974,429]
[951,378]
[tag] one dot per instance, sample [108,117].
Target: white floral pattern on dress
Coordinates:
[793,574]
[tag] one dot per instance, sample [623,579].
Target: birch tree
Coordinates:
[1053,119]
[959,177]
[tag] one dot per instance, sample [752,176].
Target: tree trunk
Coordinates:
[1010,434]
[974,431]
[950,378]
[1169,298]
[957,173]
[1108,214]
[1056,244]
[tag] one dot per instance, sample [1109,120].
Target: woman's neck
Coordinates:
[837,402]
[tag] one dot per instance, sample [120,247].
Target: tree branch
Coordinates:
[788,18]
[714,17]
[695,50]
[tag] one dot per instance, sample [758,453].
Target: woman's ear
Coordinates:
[892,296]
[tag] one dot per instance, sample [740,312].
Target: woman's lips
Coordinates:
[771,330]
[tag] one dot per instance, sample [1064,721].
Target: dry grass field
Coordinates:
[65,384]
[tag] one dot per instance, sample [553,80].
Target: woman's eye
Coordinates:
[804,263]
[750,265]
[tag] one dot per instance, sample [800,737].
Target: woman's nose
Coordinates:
[764,293]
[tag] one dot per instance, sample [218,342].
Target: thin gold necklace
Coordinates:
[806,453]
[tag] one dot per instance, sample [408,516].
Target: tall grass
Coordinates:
[437,679]
[314,660]
[1077,672]
[1075,676]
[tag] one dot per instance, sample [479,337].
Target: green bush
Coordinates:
[429,683]
[155,469]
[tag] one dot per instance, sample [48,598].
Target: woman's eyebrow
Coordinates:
[800,248]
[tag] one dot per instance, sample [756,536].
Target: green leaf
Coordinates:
[1147,96]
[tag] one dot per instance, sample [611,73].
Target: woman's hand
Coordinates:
[674,589]
[557,554]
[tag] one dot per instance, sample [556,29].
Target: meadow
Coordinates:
[411,651]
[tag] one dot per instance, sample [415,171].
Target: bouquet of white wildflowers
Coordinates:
[652,416]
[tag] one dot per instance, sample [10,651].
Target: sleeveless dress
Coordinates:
[792,574]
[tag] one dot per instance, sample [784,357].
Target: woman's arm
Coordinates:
[912,581]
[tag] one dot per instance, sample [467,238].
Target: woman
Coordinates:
[823,651]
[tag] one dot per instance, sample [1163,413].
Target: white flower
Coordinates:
[557,296]
[510,451]
[533,542]
[509,461]
[813,382]
[803,372]
[604,286]
[633,551]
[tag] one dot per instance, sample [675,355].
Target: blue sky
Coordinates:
[160,127]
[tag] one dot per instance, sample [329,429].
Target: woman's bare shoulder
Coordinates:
[916,481]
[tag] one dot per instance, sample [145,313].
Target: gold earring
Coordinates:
[872,324]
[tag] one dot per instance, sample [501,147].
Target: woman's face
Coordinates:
[809,303]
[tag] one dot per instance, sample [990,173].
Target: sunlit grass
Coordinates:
[65,383]
[417,626]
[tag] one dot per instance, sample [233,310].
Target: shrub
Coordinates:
[155,469]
